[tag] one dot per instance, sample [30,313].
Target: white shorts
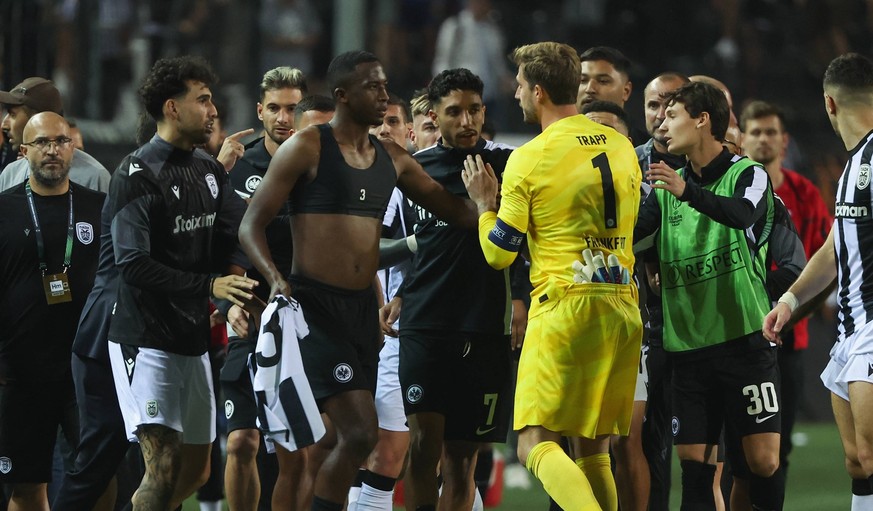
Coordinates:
[851,360]
[389,398]
[157,387]
[641,391]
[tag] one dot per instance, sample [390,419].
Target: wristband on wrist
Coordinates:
[411,243]
[790,300]
[211,285]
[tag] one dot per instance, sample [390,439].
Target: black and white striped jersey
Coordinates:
[853,240]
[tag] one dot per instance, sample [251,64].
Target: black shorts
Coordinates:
[29,420]
[240,408]
[739,391]
[341,352]
[466,378]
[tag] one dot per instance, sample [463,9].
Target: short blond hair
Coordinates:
[553,66]
[283,77]
[420,104]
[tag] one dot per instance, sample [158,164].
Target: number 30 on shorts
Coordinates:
[762,398]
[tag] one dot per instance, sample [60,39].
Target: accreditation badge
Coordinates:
[57,288]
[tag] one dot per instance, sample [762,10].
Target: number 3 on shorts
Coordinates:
[761,399]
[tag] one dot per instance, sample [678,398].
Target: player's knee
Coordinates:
[865,458]
[387,459]
[423,446]
[522,451]
[764,464]
[243,444]
[202,476]
[358,443]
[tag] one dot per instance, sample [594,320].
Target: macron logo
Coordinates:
[133,169]
[175,189]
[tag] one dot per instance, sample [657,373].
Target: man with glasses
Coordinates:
[28,98]
[48,258]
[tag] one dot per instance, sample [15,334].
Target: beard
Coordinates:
[530,115]
[764,158]
[51,177]
[277,139]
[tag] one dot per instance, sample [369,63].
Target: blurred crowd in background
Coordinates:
[97,50]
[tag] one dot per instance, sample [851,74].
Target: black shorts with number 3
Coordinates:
[464,377]
[738,390]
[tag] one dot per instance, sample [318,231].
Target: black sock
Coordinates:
[320,504]
[378,481]
[426,507]
[862,487]
[697,481]
[767,493]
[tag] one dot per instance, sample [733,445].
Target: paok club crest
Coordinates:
[84,232]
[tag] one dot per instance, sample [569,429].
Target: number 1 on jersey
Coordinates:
[610,213]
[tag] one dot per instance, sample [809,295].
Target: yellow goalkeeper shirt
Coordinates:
[574,186]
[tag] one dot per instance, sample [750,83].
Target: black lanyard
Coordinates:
[40,246]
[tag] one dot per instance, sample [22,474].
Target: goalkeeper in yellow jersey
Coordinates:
[572,190]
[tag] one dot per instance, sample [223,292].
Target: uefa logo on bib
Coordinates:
[343,373]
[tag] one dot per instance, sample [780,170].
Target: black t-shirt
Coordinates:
[249,171]
[171,211]
[36,341]
[450,286]
[245,178]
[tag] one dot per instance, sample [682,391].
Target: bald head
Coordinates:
[655,104]
[717,84]
[49,151]
[45,121]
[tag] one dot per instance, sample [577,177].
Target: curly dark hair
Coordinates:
[453,79]
[168,79]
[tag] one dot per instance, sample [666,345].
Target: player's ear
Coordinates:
[339,94]
[170,110]
[830,104]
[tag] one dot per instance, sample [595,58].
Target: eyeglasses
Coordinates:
[43,143]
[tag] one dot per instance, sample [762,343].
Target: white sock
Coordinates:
[373,499]
[354,495]
[862,502]
[478,505]
[210,506]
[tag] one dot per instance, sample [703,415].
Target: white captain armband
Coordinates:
[506,237]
